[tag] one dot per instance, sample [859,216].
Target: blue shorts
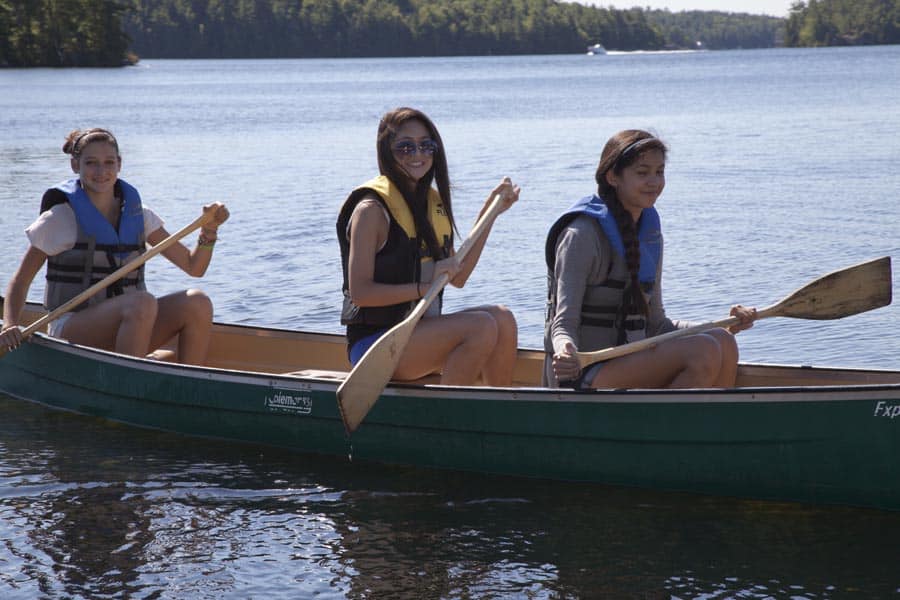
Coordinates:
[584,380]
[362,345]
[56,327]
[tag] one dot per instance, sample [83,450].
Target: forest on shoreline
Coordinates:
[61,33]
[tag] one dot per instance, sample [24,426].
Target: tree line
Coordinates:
[715,30]
[115,32]
[63,33]
[110,32]
[345,28]
[843,22]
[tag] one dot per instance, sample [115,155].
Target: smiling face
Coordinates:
[639,184]
[415,164]
[98,166]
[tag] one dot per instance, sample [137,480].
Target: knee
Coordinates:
[706,358]
[483,329]
[141,306]
[506,321]
[727,345]
[199,306]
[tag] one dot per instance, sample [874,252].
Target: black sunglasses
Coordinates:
[408,148]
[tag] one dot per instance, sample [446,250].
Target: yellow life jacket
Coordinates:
[399,261]
[392,197]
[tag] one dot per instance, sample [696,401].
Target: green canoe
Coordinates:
[817,435]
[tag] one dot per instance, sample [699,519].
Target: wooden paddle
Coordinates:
[838,294]
[360,390]
[115,275]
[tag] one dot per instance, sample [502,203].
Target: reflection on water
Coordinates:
[104,510]
[775,176]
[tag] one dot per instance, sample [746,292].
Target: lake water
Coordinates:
[782,167]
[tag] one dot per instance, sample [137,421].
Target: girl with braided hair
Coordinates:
[88,227]
[604,260]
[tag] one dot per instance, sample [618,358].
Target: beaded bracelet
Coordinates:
[205,242]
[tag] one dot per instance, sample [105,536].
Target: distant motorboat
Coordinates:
[596,49]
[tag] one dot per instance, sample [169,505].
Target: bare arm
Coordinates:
[16,293]
[193,262]
[510,194]
[368,233]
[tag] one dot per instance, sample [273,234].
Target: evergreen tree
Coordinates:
[59,33]
[843,22]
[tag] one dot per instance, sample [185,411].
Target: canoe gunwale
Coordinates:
[401,389]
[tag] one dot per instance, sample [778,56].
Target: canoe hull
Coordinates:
[821,445]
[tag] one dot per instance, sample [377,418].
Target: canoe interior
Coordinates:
[266,350]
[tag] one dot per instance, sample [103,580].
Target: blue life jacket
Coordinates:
[99,250]
[649,234]
[602,308]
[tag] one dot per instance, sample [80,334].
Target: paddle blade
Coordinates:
[846,292]
[359,392]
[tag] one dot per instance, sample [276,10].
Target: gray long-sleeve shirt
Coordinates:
[584,258]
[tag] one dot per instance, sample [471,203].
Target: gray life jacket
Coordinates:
[603,318]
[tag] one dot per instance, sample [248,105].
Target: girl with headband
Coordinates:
[604,260]
[89,226]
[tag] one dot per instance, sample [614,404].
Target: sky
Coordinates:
[777,8]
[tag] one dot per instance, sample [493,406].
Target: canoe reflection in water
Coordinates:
[126,512]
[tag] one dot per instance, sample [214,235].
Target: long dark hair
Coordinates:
[624,149]
[416,194]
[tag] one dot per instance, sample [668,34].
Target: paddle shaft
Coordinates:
[838,294]
[117,274]
[586,359]
[440,282]
[360,390]
[589,358]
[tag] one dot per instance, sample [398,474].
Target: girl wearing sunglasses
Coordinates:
[604,256]
[396,235]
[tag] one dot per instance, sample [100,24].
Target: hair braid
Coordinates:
[634,301]
[622,150]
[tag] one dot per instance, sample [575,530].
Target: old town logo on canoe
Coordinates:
[286,401]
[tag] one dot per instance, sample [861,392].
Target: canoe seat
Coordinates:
[319,374]
[434,378]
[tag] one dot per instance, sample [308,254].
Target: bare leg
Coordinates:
[187,314]
[458,345]
[498,370]
[730,355]
[122,324]
[688,362]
